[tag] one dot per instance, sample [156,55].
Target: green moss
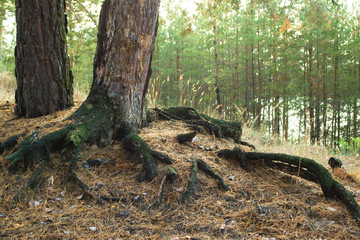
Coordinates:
[220,128]
[191,185]
[79,135]
[171,173]
[137,145]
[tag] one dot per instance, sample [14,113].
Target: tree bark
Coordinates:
[236,77]
[246,112]
[276,129]
[311,100]
[217,88]
[253,82]
[44,78]
[2,18]
[259,90]
[324,100]
[126,40]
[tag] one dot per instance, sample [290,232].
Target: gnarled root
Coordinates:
[91,122]
[169,176]
[134,143]
[200,164]
[305,168]
[219,128]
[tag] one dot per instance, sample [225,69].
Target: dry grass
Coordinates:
[263,204]
[7,88]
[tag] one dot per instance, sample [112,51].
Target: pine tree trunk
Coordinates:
[236,77]
[246,112]
[285,119]
[171,84]
[178,71]
[311,100]
[336,105]
[2,18]
[253,83]
[217,88]
[304,94]
[355,121]
[44,78]
[324,100]
[317,101]
[259,90]
[277,95]
[122,66]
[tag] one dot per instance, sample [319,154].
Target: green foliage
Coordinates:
[264,62]
[350,146]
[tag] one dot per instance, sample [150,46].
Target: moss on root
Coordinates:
[91,123]
[306,168]
[220,128]
[134,143]
[191,185]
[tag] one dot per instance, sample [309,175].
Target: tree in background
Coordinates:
[278,63]
[2,18]
[44,78]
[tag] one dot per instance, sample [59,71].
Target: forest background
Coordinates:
[290,68]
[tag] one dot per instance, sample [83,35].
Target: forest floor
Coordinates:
[262,204]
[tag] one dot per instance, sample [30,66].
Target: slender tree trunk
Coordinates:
[122,71]
[311,99]
[348,126]
[2,18]
[324,102]
[285,119]
[304,92]
[253,82]
[336,105]
[178,76]
[317,101]
[217,88]
[277,94]
[259,90]
[44,78]
[355,115]
[236,74]
[355,121]
[246,113]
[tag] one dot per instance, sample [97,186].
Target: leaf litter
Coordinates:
[263,204]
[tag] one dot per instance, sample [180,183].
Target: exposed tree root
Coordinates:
[305,168]
[31,182]
[191,185]
[92,123]
[237,154]
[10,142]
[134,143]
[335,163]
[186,137]
[247,144]
[169,176]
[206,169]
[219,128]
[200,164]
